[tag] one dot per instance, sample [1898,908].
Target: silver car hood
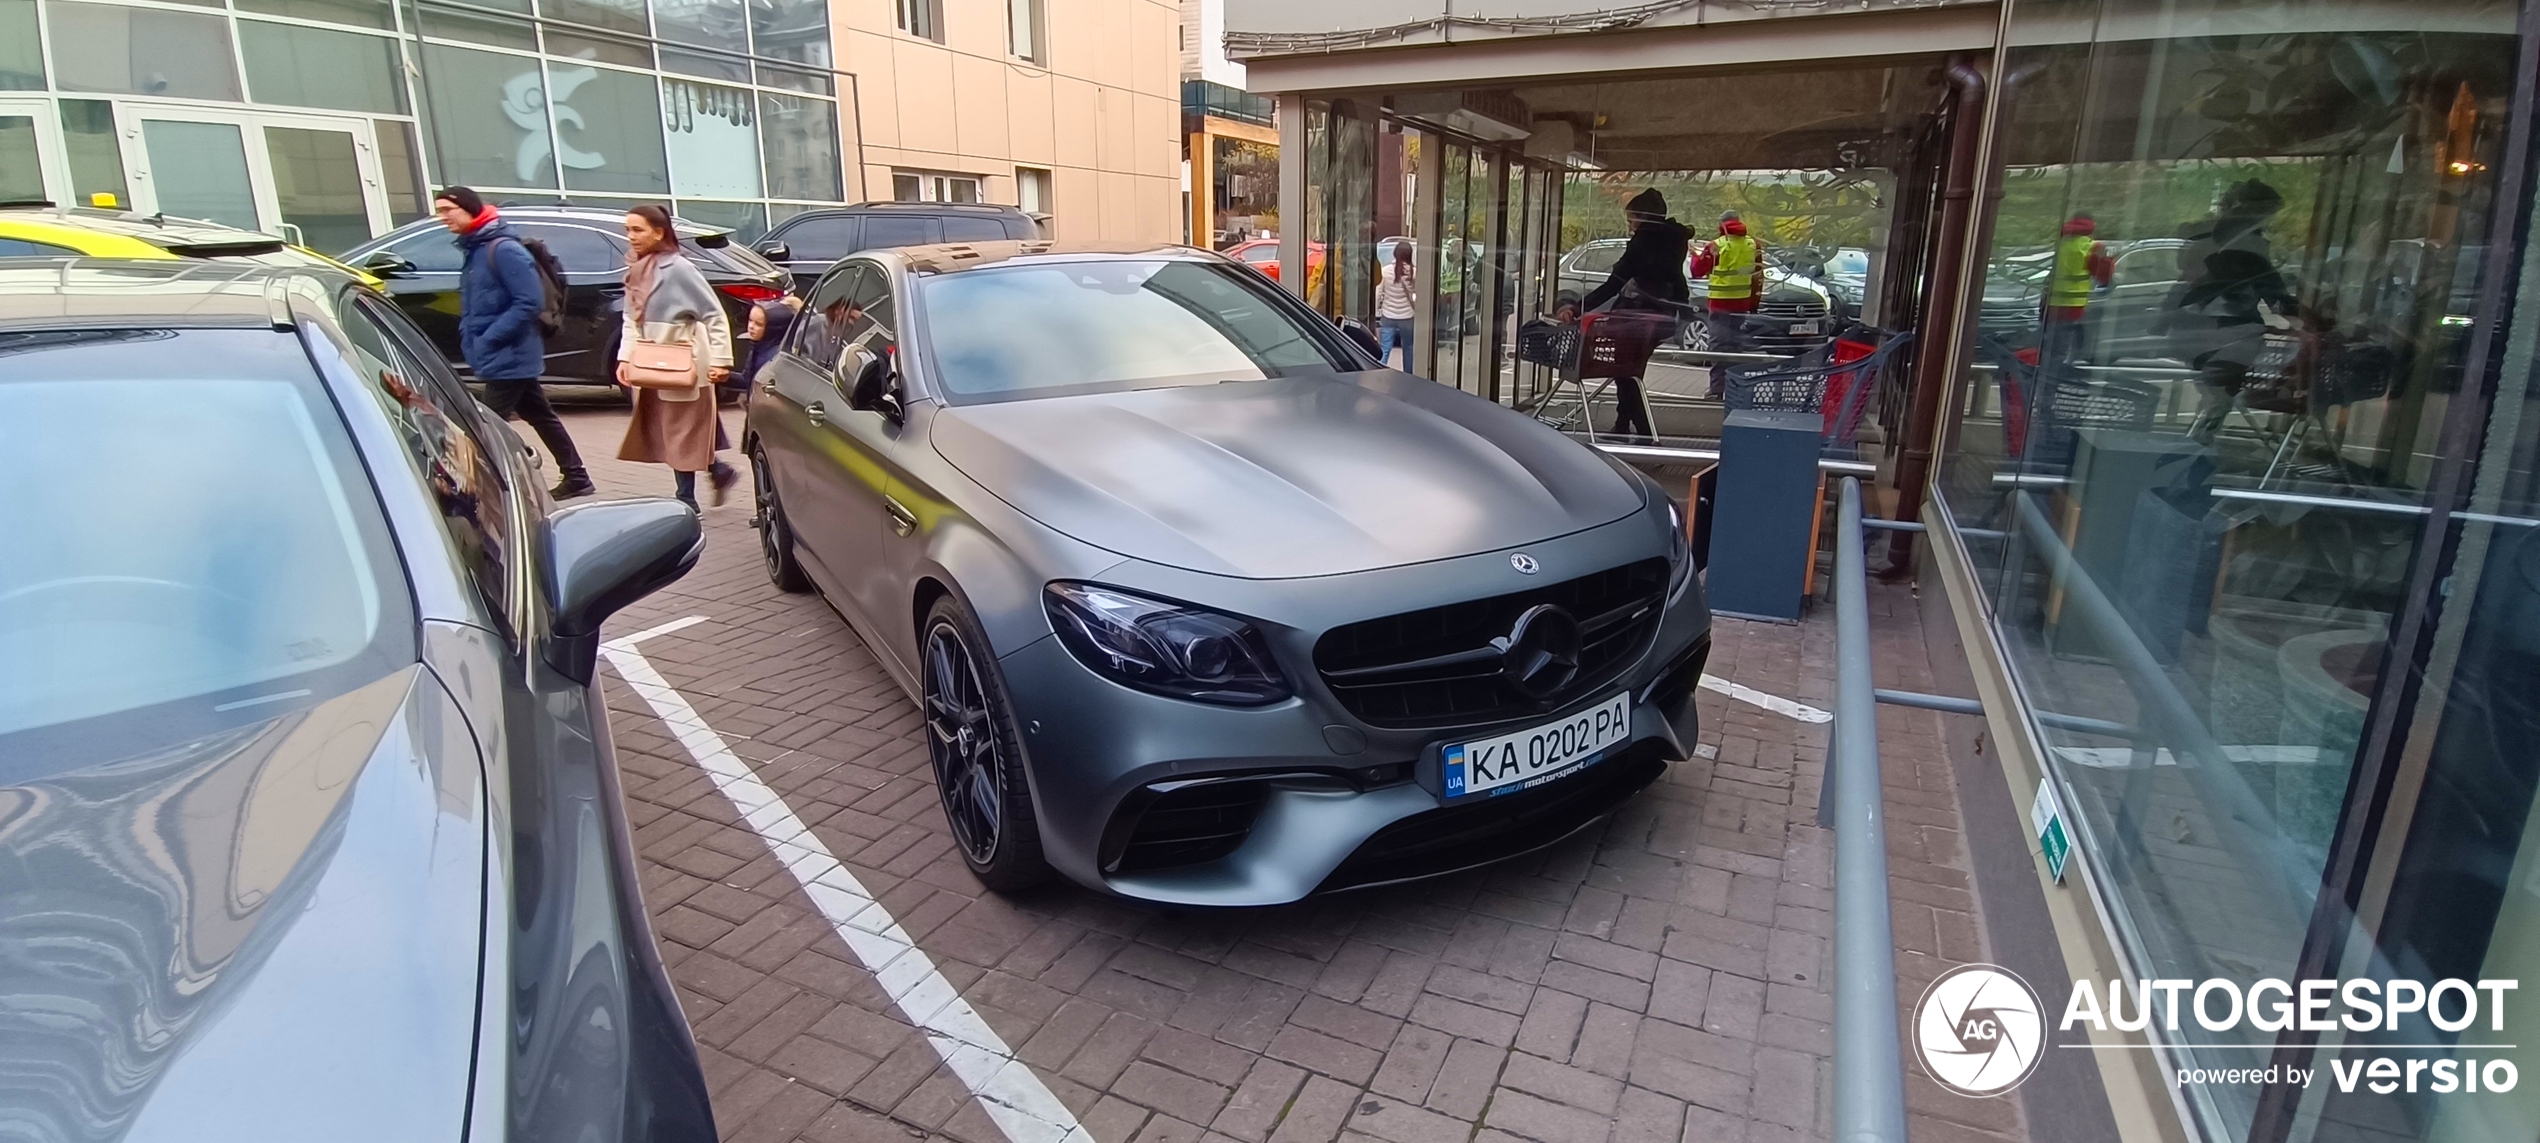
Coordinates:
[1295,476]
[268,932]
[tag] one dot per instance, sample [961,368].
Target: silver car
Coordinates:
[310,827]
[1201,605]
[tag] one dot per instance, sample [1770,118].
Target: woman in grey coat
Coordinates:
[669,302]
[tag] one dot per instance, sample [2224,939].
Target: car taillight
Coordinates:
[750,293]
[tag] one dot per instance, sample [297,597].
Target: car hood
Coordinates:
[1294,476]
[267,930]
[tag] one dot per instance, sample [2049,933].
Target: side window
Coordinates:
[882,230]
[442,444]
[1022,229]
[433,251]
[820,239]
[830,319]
[972,228]
[581,249]
[871,299]
[29,248]
[2150,265]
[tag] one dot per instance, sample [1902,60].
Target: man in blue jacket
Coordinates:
[500,294]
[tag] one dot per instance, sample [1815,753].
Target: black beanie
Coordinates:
[1648,202]
[463,198]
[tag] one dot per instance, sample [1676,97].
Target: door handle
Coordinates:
[816,413]
[903,521]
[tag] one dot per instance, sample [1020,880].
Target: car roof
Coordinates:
[607,218]
[85,240]
[954,257]
[182,235]
[91,293]
[894,206]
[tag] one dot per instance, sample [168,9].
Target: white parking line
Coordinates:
[1774,703]
[1013,1097]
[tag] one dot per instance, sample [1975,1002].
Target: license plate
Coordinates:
[1539,754]
[1804,329]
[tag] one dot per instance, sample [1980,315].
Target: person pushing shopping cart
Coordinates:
[1649,277]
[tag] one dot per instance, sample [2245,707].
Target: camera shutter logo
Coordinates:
[1979,1030]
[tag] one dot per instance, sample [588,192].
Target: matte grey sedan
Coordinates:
[1199,604]
[309,826]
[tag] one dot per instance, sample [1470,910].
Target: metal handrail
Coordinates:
[1869,1065]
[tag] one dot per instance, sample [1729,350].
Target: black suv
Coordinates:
[420,264]
[807,244]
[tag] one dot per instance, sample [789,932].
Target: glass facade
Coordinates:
[1483,221]
[330,118]
[2242,455]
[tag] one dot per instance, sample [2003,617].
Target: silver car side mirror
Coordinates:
[875,388]
[602,557]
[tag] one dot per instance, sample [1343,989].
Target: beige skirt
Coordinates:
[681,434]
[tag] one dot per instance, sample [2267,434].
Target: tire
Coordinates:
[1697,336]
[775,533]
[987,800]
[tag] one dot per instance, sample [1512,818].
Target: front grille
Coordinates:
[1476,833]
[1190,825]
[1435,667]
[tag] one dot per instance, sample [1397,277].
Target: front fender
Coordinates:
[994,559]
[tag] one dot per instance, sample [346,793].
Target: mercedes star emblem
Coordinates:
[1525,564]
[1540,654]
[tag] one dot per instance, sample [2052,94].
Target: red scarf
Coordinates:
[482,217]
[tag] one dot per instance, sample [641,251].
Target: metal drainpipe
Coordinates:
[1935,340]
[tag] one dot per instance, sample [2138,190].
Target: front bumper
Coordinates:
[1299,797]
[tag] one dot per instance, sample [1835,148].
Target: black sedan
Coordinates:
[309,823]
[420,263]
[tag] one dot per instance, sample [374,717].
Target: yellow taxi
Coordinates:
[43,230]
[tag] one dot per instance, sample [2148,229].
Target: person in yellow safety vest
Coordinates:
[1732,269]
[2081,265]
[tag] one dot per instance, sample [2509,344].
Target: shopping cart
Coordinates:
[1837,379]
[2043,409]
[1600,348]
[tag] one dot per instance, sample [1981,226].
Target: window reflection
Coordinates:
[2219,332]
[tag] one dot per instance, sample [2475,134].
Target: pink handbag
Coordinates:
[661,365]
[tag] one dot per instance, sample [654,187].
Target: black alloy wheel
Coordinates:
[978,763]
[775,534]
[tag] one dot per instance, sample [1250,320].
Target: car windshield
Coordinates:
[729,256]
[1037,330]
[207,540]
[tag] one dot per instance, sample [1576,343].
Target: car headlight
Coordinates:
[1679,550]
[1165,648]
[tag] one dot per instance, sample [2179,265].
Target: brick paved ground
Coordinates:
[1661,978]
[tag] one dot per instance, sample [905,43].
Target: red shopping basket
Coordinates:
[1618,343]
[1839,385]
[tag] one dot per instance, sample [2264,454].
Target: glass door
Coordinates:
[30,152]
[312,179]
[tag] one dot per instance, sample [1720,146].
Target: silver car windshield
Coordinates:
[1011,332]
[200,541]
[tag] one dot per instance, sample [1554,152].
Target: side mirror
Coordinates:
[775,251]
[1359,336]
[601,557]
[387,264]
[874,390]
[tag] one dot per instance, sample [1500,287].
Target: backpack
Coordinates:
[551,278]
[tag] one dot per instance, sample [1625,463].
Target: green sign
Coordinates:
[2051,839]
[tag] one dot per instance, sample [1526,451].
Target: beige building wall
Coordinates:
[1103,118]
